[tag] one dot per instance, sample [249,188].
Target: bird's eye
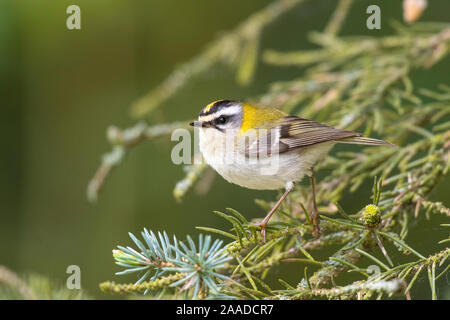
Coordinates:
[221,120]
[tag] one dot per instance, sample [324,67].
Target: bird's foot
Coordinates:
[263,225]
[315,223]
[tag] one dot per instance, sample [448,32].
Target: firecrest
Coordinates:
[266,149]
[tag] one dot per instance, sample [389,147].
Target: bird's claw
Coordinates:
[315,223]
[263,225]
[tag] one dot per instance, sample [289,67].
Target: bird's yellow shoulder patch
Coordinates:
[259,117]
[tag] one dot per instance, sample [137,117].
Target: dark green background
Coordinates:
[60,90]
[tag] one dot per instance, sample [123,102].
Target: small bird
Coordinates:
[265,148]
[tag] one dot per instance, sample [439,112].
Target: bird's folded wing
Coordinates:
[297,133]
[292,133]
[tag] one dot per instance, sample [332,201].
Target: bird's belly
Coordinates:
[272,172]
[249,176]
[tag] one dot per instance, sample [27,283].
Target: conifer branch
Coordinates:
[364,84]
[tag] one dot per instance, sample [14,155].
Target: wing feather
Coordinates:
[294,133]
[299,133]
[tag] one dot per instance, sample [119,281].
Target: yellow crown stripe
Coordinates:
[209,106]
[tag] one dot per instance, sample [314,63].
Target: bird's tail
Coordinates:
[365,140]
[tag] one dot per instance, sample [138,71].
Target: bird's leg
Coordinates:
[315,212]
[263,223]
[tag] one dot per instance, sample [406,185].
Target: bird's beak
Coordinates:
[200,124]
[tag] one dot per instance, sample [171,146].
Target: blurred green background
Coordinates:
[61,89]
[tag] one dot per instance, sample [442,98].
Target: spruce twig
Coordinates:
[364,84]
